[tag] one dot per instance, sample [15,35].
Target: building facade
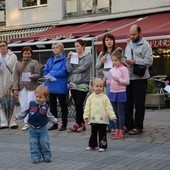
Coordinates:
[39,23]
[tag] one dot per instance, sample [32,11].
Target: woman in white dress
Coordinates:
[7,62]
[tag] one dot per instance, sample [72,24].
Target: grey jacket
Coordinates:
[100,66]
[142,54]
[33,67]
[80,73]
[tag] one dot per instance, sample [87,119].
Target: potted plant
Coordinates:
[154,97]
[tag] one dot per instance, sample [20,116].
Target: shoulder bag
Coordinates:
[138,69]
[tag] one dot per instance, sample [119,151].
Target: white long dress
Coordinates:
[5,83]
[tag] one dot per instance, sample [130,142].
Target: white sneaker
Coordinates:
[25,127]
[90,148]
[102,150]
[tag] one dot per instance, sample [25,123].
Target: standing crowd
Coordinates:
[113,102]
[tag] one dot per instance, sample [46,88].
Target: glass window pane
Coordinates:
[86,5]
[71,6]
[27,3]
[103,4]
[43,2]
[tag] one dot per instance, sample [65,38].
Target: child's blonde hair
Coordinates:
[96,80]
[43,90]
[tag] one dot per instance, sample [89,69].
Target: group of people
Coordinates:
[116,92]
[21,78]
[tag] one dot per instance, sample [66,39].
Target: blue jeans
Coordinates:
[118,108]
[39,143]
[111,125]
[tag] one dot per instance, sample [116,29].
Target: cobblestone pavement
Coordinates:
[148,151]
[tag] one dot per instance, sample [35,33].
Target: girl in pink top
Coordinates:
[118,82]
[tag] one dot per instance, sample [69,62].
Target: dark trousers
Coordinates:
[136,92]
[79,99]
[63,104]
[95,129]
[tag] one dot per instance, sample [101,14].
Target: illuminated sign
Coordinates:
[159,43]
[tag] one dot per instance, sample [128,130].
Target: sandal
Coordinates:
[81,128]
[74,128]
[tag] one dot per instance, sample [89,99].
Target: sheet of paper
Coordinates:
[2,62]
[108,75]
[74,58]
[167,88]
[108,63]
[50,78]
[25,76]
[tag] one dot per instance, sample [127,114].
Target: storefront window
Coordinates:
[29,3]
[161,60]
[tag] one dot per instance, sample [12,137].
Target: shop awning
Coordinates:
[154,27]
[91,29]
[18,33]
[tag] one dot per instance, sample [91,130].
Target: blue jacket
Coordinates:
[56,67]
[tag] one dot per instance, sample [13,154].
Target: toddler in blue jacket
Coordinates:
[38,117]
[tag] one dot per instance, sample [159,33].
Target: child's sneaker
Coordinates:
[90,148]
[102,150]
[116,134]
[35,161]
[121,134]
[47,160]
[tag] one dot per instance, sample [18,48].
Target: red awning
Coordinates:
[153,25]
[90,29]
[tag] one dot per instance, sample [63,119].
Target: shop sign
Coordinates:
[159,43]
[55,36]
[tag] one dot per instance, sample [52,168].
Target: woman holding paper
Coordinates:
[56,72]
[104,63]
[7,61]
[26,74]
[78,66]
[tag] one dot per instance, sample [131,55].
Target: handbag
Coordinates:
[139,70]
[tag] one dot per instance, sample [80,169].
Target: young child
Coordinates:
[38,117]
[98,111]
[117,95]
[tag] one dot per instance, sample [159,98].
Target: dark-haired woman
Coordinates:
[79,81]
[104,62]
[26,74]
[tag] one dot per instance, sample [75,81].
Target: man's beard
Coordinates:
[137,39]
